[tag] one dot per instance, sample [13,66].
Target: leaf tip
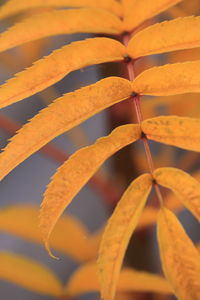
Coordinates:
[46,243]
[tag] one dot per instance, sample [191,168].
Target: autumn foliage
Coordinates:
[127,37]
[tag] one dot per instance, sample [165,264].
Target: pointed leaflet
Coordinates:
[118,232]
[136,12]
[169,79]
[63,114]
[68,237]
[180,259]
[29,274]
[182,132]
[183,185]
[12,7]
[60,22]
[76,171]
[186,34]
[129,280]
[54,67]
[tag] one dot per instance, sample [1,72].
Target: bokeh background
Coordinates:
[27,183]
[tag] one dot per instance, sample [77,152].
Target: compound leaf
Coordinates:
[13,7]
[169,79]
[118,232]
[185,35]
[183,185]
[129,280]
[22,220]
[136,12]
[63,114]
[76,171]
[180,259]
[182,132]
[84,20]
[29,274]
[54,67]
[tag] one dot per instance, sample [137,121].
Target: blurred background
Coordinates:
[93,205]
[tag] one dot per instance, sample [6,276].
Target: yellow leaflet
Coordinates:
[54,67]
[180,259]
[63,114]
[68,237]
[60,22]
[29,274]
[129,280]
[182,132]
[136,12]
[158,38]
[76,171]
[169,79]
[183,185]
[118,232]
[12,7]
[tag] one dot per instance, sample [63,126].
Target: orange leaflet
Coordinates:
[169,80]
[136,12]
[61,116]
[185,35]
[12,7]
[51,69]
[183,185]
[180,259]
[118,232]
[60,22]
[29,274]
[76,171]
[182,132]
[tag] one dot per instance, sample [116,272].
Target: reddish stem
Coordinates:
[136,100]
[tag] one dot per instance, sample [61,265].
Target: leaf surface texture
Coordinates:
[183,185]
[136,12]
[76,171]
[29,274]
[12,7]
[85,20]
[63,114]
[182,132]
[54,67]
[180,259]
[118,232]
[185,35]
[169,79]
